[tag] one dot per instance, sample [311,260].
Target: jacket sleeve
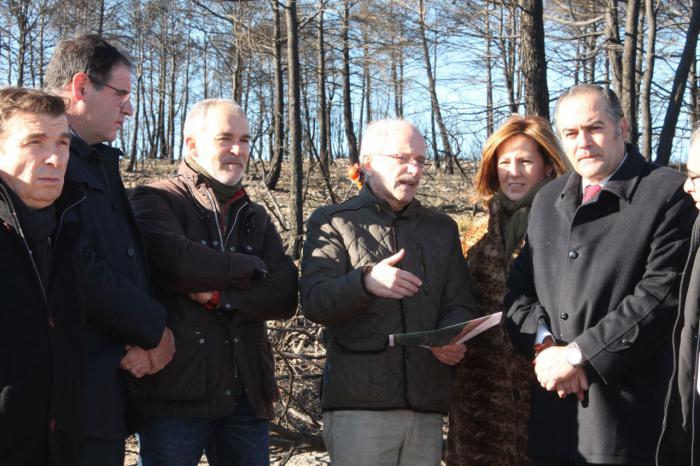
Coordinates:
[332,289]
[119,307]
[456,304]
[272,297]
[523,308]
[642,321]
[179,264]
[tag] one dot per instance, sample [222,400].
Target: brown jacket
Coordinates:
[188,252]
[362,371]
[491,403]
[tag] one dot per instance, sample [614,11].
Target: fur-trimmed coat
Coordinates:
[490,408]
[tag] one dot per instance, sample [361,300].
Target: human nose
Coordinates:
[126,107]
[583,138]
[513,168]
[413,168]
[689,185]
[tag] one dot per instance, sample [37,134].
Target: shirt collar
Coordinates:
[586,182]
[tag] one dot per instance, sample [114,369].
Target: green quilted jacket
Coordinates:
[362,371]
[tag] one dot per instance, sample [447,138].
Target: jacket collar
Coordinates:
[70,196]
[383,208]
[201,192]
[622,183]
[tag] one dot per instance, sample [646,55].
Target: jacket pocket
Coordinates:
[185,378]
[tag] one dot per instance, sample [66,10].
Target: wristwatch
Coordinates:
[573,355]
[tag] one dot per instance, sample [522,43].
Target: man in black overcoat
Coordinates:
[679,443]
[95,77]
[594,293]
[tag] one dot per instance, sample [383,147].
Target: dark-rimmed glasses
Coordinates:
[123,94]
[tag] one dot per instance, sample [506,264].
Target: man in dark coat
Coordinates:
[379,264]
[219,267]
[679,445]
[42,360]
[96,78]
[596,288]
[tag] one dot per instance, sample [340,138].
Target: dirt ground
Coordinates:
[447,193]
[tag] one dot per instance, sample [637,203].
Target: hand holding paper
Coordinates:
[454,334]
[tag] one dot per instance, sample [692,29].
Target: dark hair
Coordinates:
[89,54]
[611,99]
[534,127]
[14,100]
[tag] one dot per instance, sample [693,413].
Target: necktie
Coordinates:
[589,192]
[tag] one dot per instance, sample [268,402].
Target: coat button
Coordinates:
[228,392]
[214,243]
[227,306]
[131,252]
[249,248]
[573,254]
[235,340]
[564,316]
[201,341]
[204,242]
[232,249]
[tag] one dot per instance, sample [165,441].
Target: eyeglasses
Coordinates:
[406,159]
[123,94]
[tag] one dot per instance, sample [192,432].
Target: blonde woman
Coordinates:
[489,413]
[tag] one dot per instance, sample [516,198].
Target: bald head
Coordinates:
[393,159]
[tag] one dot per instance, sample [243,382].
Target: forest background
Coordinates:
[311,73]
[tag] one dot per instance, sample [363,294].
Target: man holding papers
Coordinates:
[375,265]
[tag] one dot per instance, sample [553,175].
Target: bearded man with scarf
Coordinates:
[220,269]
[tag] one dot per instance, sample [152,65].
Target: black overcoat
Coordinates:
[129,316]
[678,445]
[606,276]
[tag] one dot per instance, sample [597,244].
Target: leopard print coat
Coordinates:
[491,403]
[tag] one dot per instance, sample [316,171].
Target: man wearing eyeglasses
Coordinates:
[679,445]
[379,264]
[96,79]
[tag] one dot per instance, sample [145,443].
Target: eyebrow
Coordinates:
[232,135]
[585,125]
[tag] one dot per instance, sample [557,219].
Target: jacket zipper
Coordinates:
[216,220]
[424,266]
[26,245]
[403,323]
[235,219]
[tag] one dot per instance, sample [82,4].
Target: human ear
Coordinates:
[77,86]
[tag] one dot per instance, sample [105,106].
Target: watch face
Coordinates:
[574,356]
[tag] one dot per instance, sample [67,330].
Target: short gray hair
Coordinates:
[198,113]
[377,133]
